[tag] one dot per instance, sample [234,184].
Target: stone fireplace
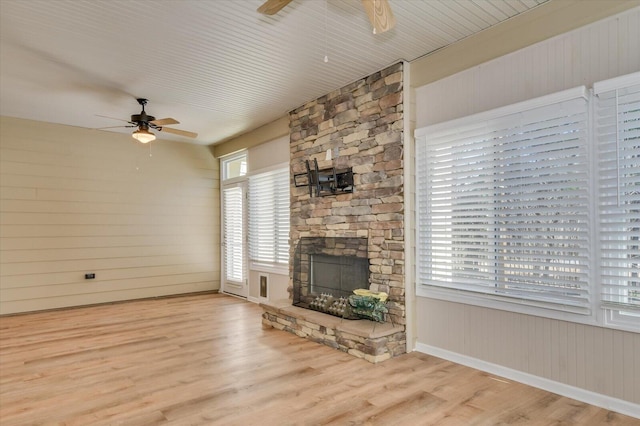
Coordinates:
[358,127]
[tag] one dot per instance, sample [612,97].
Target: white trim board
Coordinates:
[614,404]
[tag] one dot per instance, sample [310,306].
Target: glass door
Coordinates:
[234,238]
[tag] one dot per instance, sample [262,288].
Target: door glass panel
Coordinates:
[234,239]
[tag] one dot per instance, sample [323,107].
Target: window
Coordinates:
[269,219]
[535,207]
[504,206]
[617,132]
[234,166]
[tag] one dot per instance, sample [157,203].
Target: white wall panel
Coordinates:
[600,51]
[596,359]
[600,360]
[74,201]
[268,154]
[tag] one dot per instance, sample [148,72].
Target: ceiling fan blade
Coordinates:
[380,15]
[271,7]
[165,121]
[178,132]
[114,127]
[112,118]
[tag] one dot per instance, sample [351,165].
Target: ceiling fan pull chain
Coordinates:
[374,11]
[326,57]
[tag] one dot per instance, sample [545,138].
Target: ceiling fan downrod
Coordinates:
[142,117]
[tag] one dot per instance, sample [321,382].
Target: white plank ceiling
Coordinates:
[218,66]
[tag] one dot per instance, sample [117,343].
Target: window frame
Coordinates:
[276,267]
[231,158]
[614,316]
[599,314]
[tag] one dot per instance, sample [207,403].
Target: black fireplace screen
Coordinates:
[329,267]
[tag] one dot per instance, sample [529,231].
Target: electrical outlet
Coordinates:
[89,276]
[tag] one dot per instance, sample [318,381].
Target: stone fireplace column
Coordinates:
[362,126]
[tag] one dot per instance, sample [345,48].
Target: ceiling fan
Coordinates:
[378,11]
[144,122]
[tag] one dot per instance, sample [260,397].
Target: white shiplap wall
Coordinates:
[76,201]
[582,361]
[599,51]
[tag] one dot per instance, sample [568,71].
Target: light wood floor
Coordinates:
[205,360]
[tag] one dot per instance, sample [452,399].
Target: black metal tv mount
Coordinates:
[326,181]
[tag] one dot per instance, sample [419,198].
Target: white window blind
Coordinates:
[269,217]
[617,132]
[233,227]
[503,204]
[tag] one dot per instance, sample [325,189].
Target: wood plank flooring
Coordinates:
[205,360]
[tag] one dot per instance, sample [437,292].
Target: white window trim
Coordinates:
[265,267]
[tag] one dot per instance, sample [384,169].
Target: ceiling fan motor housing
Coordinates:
[142,118]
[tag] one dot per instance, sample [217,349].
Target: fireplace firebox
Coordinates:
[327,270]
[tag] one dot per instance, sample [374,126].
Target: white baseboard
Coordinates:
[618,405]
[257,299]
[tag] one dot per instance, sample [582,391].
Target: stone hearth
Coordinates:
[372,341]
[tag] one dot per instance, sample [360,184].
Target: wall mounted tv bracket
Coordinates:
[326,181]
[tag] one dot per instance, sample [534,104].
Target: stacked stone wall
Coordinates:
[363,124]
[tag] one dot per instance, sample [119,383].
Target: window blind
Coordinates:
[503,203]
[269,217]
[617,132]
[233,227]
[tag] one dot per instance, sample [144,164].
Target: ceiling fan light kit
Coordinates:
[143,136]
